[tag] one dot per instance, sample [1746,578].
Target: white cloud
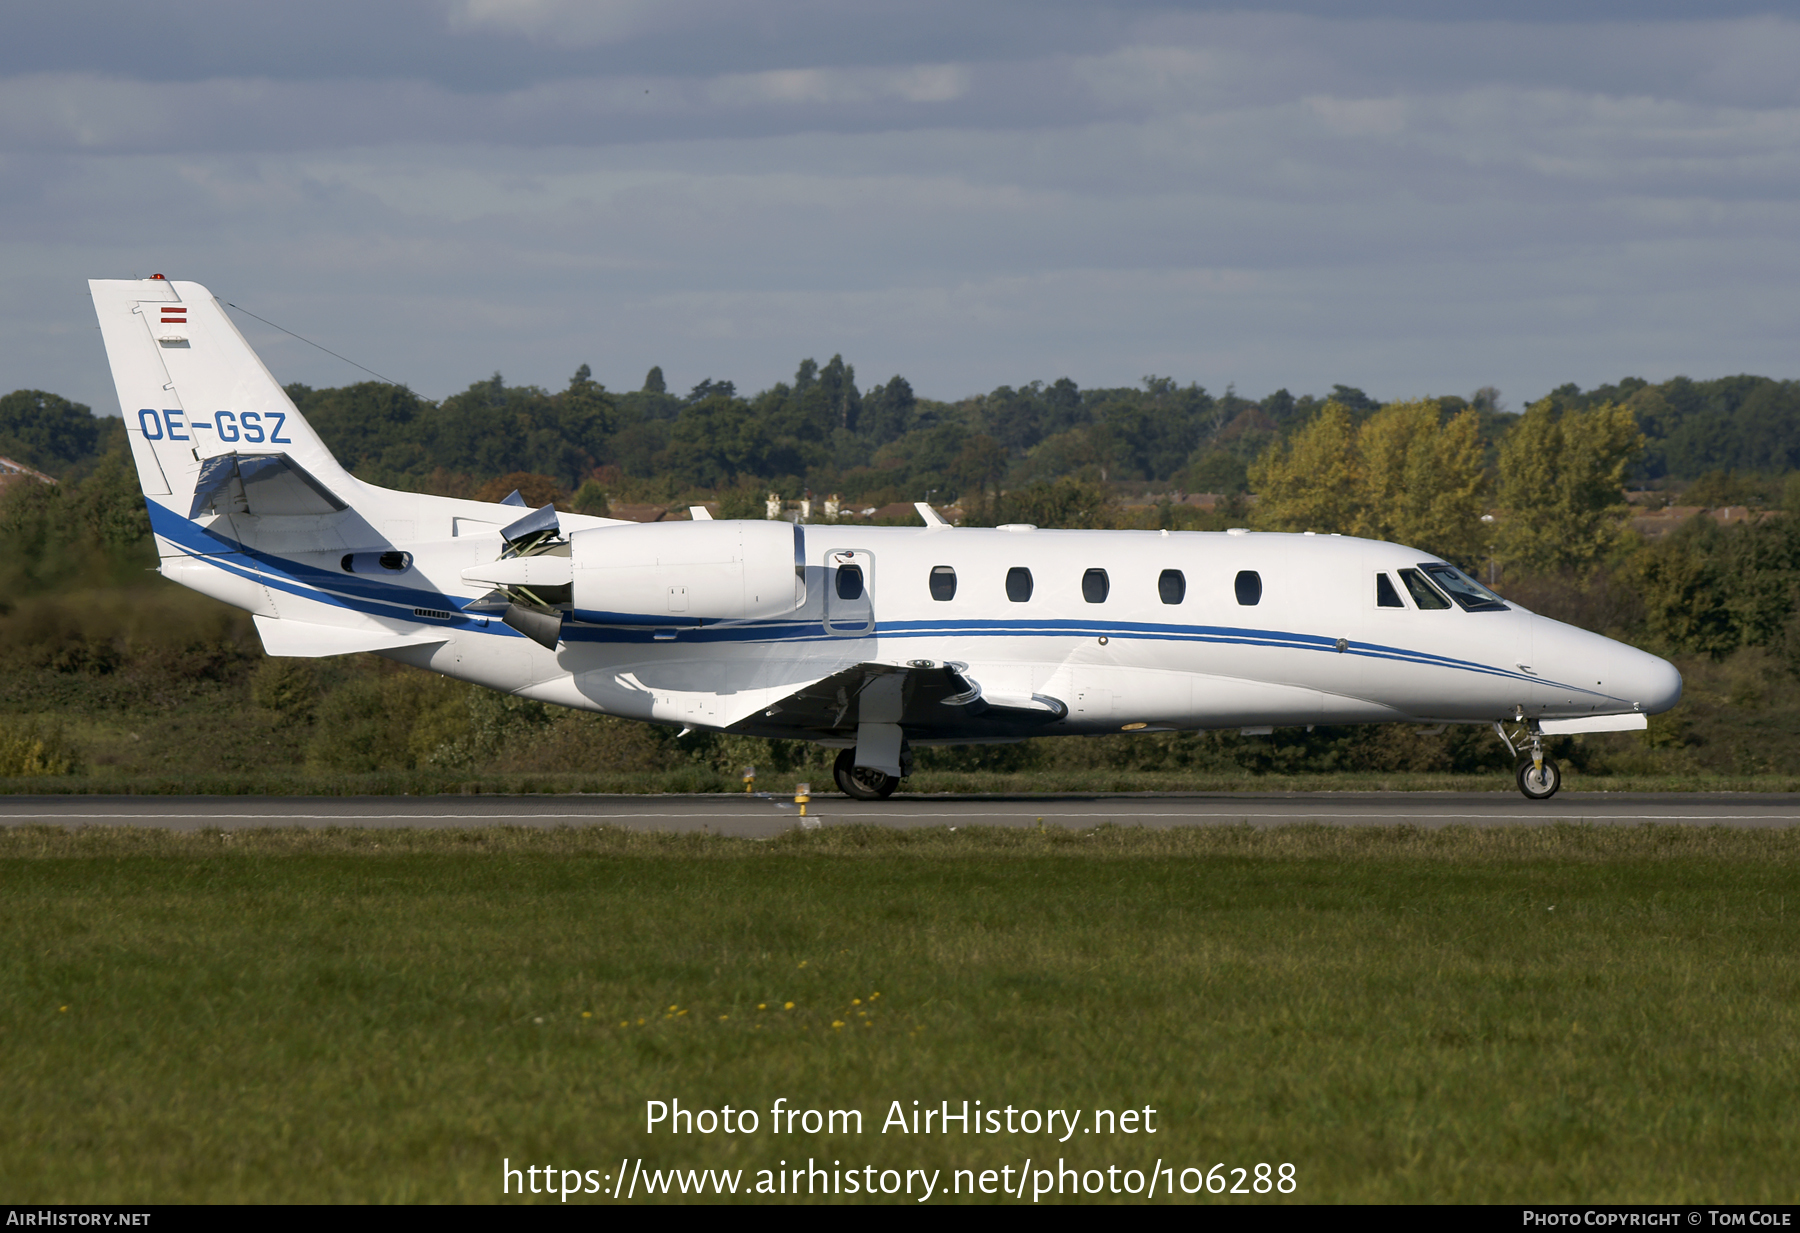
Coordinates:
[570,23]
[1360,117]
[1408,207]
[918,83]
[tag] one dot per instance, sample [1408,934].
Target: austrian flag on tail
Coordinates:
[174,314]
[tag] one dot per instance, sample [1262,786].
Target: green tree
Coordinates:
[535,490]
[1309,483]
[46,431]
[1422,484]
[1064,503]
[1215,471]
[380,432]
[1402,476]
[287,688]
[1354,400]
[110,503]
[837,381]
[979,468]
[1562,475]
[590,498]
[716,440]
[887,411]
[1685,603]
[90,528]
[30,747]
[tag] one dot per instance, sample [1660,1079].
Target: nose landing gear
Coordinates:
[1538,777]
[1538,781]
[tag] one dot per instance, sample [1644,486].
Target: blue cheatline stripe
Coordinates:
[364,595]
[385,599]
[1222,634]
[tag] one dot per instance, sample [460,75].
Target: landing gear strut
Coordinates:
[1538,777]
[863,783]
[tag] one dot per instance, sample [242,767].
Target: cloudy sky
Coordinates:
[1408,197]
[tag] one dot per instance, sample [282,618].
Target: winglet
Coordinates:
[932,517]
[699,513]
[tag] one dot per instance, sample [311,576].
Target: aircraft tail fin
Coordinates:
[192,392]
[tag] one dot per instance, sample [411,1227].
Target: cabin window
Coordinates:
[850,582]
[1424,594]
[1469,594]
[1171,585]
[1249,588]
[1385,595]
[1094,586]
[943,583]
[1018,584]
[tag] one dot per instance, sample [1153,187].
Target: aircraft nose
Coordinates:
[1657,686]
[1651,684]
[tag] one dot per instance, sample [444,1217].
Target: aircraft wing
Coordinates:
[931,701]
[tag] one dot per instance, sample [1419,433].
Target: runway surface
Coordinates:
[767,814]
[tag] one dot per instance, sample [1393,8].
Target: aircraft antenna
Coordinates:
[309,342]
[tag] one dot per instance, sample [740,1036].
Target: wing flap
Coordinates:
[938,701]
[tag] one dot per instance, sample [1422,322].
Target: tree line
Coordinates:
[821,432]
[1534,500]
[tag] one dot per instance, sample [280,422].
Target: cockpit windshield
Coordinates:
[1424,594]
[1469,594]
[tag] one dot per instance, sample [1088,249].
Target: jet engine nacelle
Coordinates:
[684,573]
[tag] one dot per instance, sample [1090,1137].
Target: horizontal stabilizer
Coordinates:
[266,485]
[1594,723]
[305,640]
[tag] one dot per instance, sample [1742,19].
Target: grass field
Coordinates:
[1539,1014]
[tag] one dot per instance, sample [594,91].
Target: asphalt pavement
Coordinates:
[764,814]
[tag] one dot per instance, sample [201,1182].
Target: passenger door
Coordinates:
[849,602]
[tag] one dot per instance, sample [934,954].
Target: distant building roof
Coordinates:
[1658,523]
[638,513]
[12,472]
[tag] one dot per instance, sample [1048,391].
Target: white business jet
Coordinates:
[872,640]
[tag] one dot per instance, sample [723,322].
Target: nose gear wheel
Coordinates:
[1538,784]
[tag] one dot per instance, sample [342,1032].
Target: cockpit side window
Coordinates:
[1424,594]
[1385,595]
[1469,594]
[943,583]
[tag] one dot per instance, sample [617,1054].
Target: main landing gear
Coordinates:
[863,783]
[1538,776]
